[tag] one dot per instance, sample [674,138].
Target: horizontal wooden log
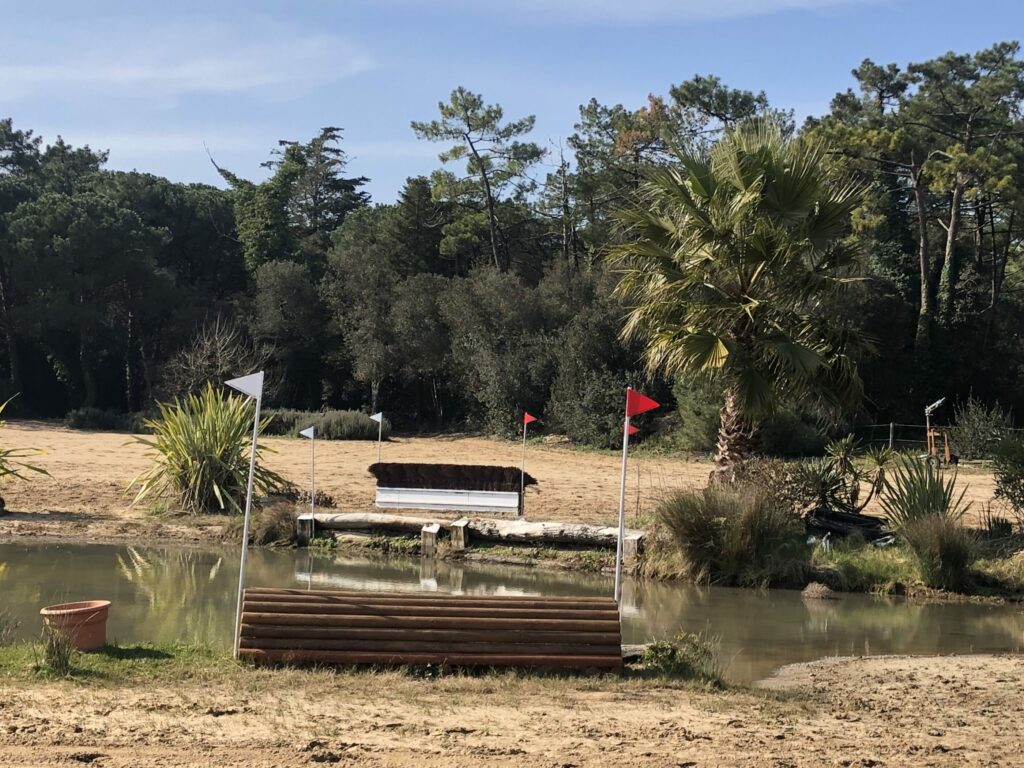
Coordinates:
[399,609]
[458,659]
[428,635]
[511,531]
[428,622]
[270,593]
[498,645]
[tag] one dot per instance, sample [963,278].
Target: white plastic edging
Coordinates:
[506,502]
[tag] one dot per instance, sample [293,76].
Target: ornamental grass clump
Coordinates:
[201,444]
[923,507]
[736,534]
[690,655]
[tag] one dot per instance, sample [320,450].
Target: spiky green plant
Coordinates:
[916,490]
[10,466]
[202,458]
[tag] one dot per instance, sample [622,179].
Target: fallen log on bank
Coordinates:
[502,531]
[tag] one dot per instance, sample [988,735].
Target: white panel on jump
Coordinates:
[506,502]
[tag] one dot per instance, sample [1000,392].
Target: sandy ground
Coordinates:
[940,711]
[84,496]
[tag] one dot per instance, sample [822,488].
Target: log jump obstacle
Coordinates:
[332,627]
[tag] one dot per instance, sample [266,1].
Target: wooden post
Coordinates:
[304,529]
[459,533]
[428,539]
[892,435]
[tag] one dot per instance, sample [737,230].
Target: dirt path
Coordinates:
[84,496]
[939,711]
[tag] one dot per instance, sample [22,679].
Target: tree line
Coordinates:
[485,288]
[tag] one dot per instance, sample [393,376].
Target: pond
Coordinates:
[170,593]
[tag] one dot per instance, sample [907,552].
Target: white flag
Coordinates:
[378,417]
[308,432]
[251,385]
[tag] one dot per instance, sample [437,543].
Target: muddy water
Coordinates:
[163,594]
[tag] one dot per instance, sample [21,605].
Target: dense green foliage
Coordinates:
[978,430]
[201,445]
[330,425]
[482,290]
[690,655]
[1008,467]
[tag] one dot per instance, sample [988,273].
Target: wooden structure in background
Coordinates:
[298,626]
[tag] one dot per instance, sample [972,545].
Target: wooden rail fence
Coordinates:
[300,626]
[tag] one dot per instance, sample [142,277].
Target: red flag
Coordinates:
[632,430]
[637,403]
[528,419]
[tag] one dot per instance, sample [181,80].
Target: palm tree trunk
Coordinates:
[737,439]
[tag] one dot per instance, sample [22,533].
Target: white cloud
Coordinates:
[170,62]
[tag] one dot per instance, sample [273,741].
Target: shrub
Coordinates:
[916,490]
[201,445]
[1008,466]
[8,626]
[736,534]
[697,406]
[790,434]
[93,418]
[977,431]
[944,549]
[101,420]
[272,525]
[694,656]
[330,425]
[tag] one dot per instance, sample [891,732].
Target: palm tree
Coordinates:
[728,265]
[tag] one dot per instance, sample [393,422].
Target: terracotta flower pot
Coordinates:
[84,623]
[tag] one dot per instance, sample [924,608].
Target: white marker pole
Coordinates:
[252,386]
[379,418]
[622,512]
[522,474]
[310,432]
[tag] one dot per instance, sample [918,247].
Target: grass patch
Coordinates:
[854,566]
[691,656]
[138,663]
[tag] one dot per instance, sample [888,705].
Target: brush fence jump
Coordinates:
[298,626]
[450,487]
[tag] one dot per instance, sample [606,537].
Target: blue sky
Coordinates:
[159,84]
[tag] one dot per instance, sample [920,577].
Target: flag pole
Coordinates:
[622,511]
[522,474]
[252,386]
[312,484]
[380,433]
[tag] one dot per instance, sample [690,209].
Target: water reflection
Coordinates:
[188,594]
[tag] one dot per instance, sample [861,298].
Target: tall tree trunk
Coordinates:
[737,439]
[88,375]
[492,214]
[950,265]
[926,311]
[6,307]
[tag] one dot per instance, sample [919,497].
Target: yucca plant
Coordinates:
[915,490]
[10,466]
[202,459]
